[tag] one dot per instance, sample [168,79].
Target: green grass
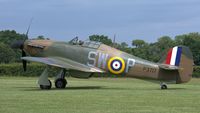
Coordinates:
[98,95]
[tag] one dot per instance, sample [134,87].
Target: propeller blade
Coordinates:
[24,62]
[23,53]
[28,28]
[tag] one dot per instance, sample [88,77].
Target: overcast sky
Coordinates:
[128,19]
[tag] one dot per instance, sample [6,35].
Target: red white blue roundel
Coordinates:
[116,65]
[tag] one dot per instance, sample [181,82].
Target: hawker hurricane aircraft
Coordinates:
[83,59]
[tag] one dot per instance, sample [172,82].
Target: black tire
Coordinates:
[46,86]
[163,86]
[60,83]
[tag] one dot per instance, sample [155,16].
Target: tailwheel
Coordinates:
[60,83]
[46,86]
[163,86]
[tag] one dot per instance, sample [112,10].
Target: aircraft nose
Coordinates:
[17,44]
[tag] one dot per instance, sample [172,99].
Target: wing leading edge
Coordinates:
[63,63]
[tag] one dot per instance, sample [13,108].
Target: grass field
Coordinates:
[98,95]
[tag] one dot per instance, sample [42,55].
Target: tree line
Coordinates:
[154,51]
[149,51]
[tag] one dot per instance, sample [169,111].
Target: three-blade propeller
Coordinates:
[19,44]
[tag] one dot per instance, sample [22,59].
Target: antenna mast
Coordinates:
[114,40]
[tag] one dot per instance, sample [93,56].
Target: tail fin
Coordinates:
[180,56]
[174,56]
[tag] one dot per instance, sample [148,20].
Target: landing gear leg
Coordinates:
[163,85]
[43,81]
[60,81]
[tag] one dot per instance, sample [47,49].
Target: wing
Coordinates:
[168,67]
[63,63]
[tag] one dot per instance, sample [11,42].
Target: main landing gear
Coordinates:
[163,86]
[46,86]
[60,81]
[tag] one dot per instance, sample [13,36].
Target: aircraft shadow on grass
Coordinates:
[68,88]
[94,88]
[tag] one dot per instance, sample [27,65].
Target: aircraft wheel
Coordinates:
[163,86]
[46,86]
[61,83]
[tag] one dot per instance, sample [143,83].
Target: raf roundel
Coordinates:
[116,65]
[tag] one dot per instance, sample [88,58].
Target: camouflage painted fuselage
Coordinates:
[103,57]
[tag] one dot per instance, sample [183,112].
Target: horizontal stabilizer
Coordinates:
[168,67]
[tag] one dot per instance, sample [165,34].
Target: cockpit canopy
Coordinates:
[87,43]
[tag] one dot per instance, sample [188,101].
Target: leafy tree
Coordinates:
[165,42]
[124,45]
[7,55]
[192,40]
[101,38]
[141,51]
[138,43]
[179,39]
[157,49]
[40,37]
[140,48]
[154,52]
[9,36]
